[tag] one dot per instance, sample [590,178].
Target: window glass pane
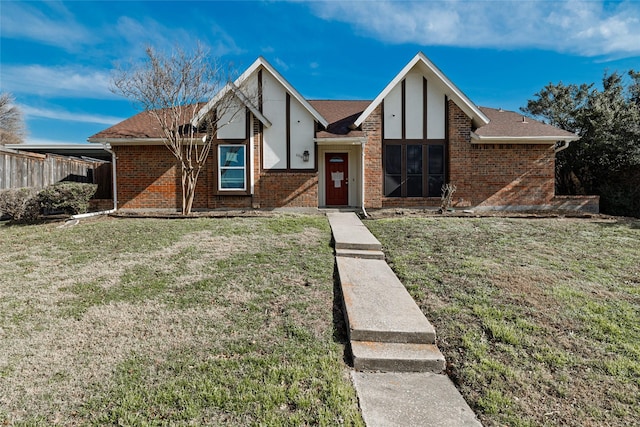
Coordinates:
[232,156]
[414,186]
[231,167]
[435,185]
[436,159]
[393,159]
[414,159]
[232,179]
[392,185]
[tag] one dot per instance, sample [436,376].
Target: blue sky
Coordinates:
[56,57]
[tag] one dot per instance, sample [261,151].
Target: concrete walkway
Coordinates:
[398,367]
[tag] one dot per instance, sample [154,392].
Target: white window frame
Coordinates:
[243,168]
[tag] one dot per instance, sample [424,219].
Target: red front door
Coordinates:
[336,171]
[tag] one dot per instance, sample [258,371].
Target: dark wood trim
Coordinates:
[403,108]
[403,170]
[260,91]
[414,141]
[425,170]
[247,120]
[288,171]
[425,107]
[288,129]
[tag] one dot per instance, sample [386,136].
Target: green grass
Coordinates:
[539,320]
[172,322]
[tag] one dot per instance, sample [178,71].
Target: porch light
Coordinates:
[305,156]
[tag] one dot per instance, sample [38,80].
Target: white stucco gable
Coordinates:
[421,63]
[245,79]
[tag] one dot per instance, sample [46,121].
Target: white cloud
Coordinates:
[45,141]
[59,114]
[66,82]
[149,32]
[588,28]
[281,64]
[56,27]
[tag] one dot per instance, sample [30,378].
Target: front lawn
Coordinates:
[171,322]
[539,319]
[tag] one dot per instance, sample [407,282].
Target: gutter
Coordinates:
[479,139]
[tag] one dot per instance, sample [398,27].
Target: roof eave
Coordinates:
[127,141]
[479,139]
[345,140]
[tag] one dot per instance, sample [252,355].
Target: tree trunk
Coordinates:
[189,181]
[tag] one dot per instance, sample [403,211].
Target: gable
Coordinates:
[245,89]
[437,82]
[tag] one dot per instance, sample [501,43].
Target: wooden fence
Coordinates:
[24,169]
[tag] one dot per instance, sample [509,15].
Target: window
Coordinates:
[231,168]
[413,169]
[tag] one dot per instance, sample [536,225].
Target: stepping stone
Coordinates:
[396,357]
[349,232]
[411,399]
[358,253]
[377,305]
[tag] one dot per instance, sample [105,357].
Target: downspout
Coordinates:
[564,146]
[108,149]
[364,211]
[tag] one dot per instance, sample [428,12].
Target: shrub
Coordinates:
[69,197]
[20,204]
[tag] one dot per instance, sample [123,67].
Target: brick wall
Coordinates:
[147,177]
[374,175]
[505,175]
[288,189]
[497,175]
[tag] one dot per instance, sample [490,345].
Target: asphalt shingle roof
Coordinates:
[511,124]
[341,116]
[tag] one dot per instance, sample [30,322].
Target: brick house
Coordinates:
[420,132]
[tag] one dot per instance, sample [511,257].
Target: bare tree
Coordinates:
[12,129]
[173,88]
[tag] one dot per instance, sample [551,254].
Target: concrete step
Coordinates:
[349,232]
[377,306]
[394,357]
[411,399]
[358,253]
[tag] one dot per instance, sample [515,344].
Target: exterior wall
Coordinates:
[233,121]
[497,175]
[414,108]
[373,173]
[302,131]
[288,189]
[148,177]
[504,176]
[275,137]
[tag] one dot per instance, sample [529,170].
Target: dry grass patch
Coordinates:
[156,322]
[538,319]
